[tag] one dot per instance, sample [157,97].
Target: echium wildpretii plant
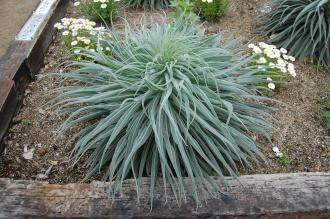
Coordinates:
[301,26]
[168,103]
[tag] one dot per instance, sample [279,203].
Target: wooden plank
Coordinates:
[295,195]
[13,81]
[8,104]
[36,56]
[13,61]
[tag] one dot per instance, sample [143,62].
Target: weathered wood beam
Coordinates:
[295,195]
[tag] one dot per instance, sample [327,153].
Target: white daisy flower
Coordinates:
[283,69]
[277,53]
[281,63]
[269,53]
[76,4]
[290,66]
[257,50]
[74,43]
[103,6]
[293,73]
[65,33]
[87,41]
[279,154]
[292,59]
[261,60]
[99,28]
[57,25]
[276,149]
[263,45]
[271,86]
[284,51]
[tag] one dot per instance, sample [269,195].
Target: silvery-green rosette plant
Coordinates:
[301,26]
[168,103]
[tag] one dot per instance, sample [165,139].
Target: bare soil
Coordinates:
[301,127]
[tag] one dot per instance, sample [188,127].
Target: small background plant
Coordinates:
[301,26]
[211,10]
[272,62]
[27,122]
[283,158]
[98,10]
[80,34]
[184,9]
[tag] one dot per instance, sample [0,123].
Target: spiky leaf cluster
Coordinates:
[149,4]
[169,103]
[301,26]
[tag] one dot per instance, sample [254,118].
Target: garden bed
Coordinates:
[39,169]
[299,118]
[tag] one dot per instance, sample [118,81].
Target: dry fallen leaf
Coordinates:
[28,154]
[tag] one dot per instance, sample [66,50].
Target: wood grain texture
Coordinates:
[45,38]
[295,195]
[8,104]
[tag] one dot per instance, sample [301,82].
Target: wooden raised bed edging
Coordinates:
[294,195]
[22,60]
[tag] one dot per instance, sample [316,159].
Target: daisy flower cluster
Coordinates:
[208,1]
[81,33]
[271,59]
[98,10]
